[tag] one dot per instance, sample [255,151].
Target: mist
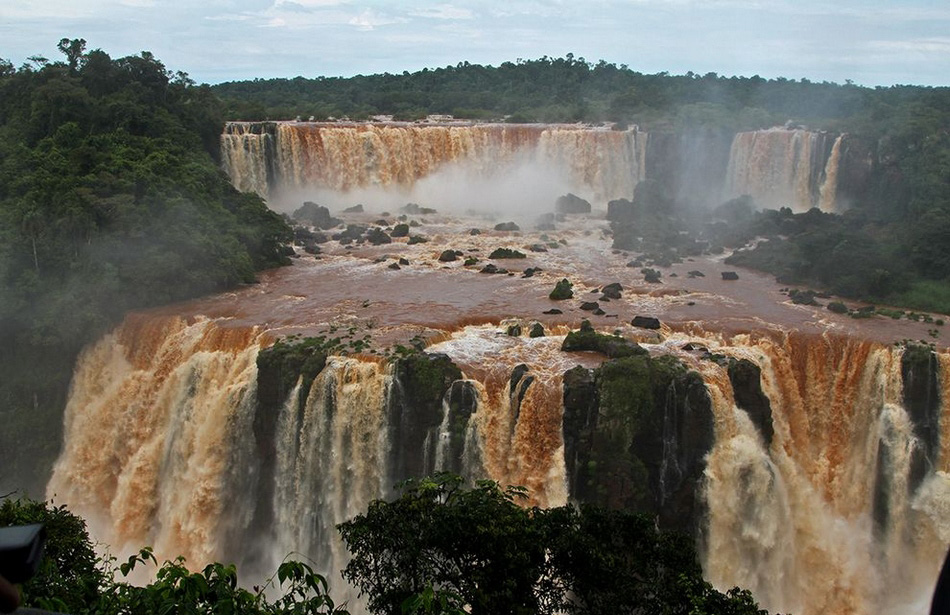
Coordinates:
[521,190]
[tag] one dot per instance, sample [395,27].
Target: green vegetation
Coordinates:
[477,548]
[506,253]
[565,89]
[853,255]
[562,290]
[438,548]
[73,580]
[611,346]
[111,199]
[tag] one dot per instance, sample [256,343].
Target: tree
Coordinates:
[441,547]
[69,578]
[73,579]
[73,50]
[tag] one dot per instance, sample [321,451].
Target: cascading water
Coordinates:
[783,168]
[331,460]
[777,167]
[160,450]
[824,520]
[269,158]
[829,187]
[158,420]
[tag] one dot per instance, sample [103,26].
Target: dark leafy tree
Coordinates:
[477,549]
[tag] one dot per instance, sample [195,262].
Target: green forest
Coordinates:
[111,199]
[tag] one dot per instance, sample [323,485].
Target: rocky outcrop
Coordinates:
[415,408]
[920,373]
[636,433]
[462,404]
[746,379]
[645,322]
[611,346]
[315,215]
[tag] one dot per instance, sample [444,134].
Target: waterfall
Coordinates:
[293,156]
[826,517]
[829,187]
[331,461]
[157,419]
[824,520]
[780,168]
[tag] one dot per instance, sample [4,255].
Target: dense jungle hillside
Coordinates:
[111,199]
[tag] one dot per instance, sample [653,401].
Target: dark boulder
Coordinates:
[562,290]
[416,210]
[507,226]
[645,322]
[612,291]
[730,275]
[589,306]
[377,237]
[315,215]
[571,204]
[491,268]
[356,209]
[502,253]
[448,256]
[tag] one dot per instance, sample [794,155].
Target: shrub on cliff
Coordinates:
[611,346]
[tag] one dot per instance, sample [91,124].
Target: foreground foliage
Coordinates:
[446,546]
[73,580]
[439,548]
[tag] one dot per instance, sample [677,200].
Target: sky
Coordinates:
[870,42]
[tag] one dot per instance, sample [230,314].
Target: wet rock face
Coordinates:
[415,407]
[579,423]
[636,433]
[746,379]
[462,404]
[920,374]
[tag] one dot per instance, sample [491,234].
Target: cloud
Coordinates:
[370,20]
[444,11]
[921,45]
[295,4]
